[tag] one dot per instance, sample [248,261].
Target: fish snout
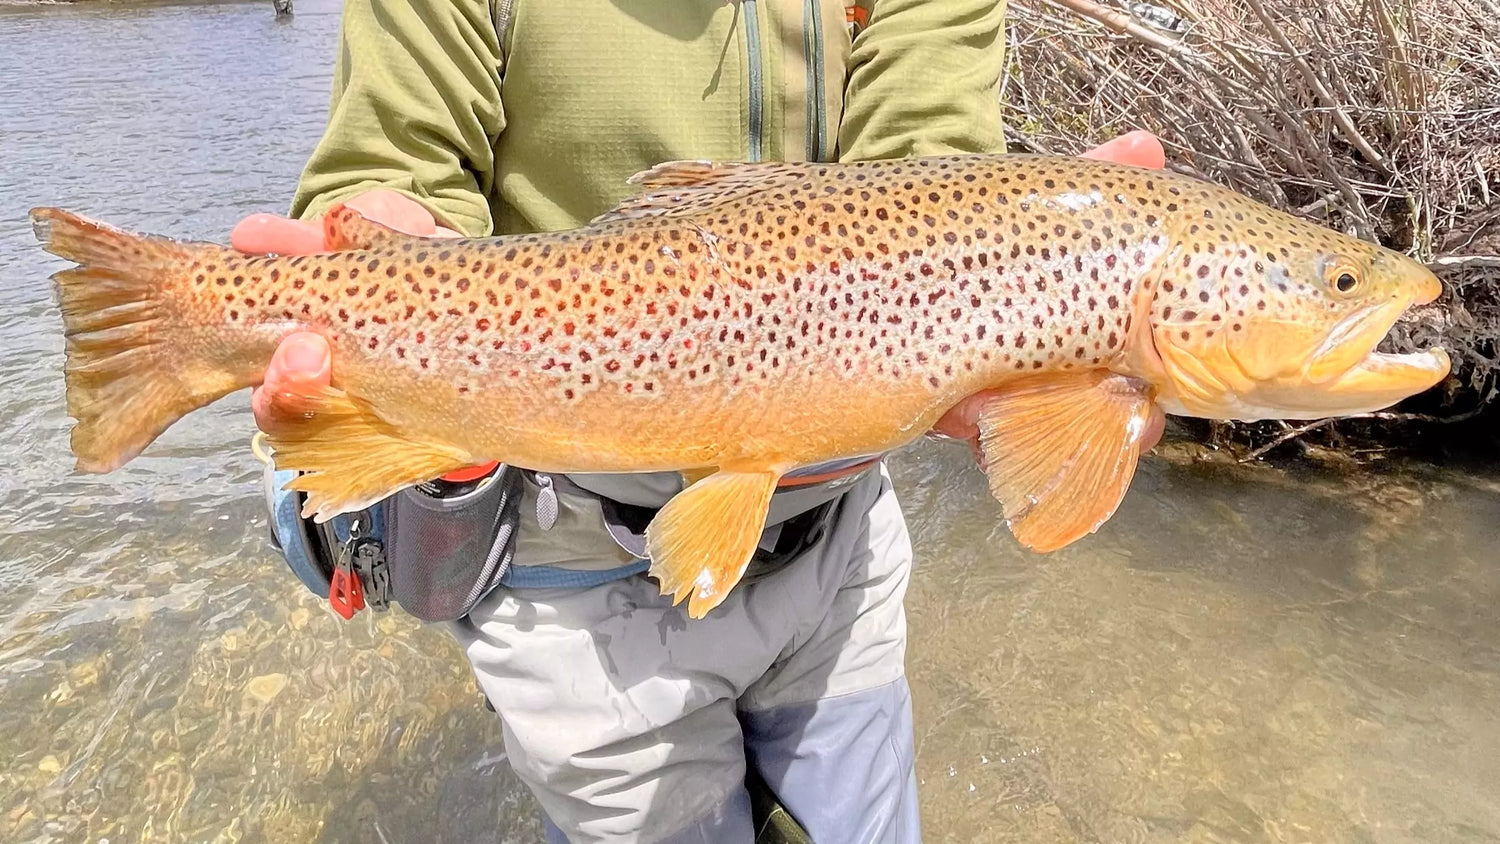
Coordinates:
[1429,288]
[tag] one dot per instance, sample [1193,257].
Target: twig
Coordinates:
[1383,416]
[1016,136]
[1288,436]
[1465,261]
[1356,205]
[1319,86]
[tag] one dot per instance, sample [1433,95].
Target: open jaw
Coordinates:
[1347,375]
[1382,378]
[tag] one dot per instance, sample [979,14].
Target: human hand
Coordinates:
[1139,149]
[302,363]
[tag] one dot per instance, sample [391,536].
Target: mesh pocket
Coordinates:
[446,554]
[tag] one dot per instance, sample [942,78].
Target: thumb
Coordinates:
[262,234]
[300,368]
[1138,149]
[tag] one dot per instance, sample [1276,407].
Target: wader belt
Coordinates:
[797,520]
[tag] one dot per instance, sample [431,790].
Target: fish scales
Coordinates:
[734,322]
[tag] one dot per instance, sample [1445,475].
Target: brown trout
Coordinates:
[734,322]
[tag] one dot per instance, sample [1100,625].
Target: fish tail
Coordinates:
[129,375]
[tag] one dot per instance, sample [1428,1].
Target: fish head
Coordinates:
[1261,315]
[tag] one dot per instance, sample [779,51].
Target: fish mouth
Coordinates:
[1349,376]
[1382,379]
[1352,340]
[1376,382]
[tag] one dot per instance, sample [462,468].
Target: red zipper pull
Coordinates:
[345,592]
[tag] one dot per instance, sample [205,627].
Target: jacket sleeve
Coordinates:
[416,108]
[924,79]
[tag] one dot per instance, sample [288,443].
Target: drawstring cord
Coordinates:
[258,447]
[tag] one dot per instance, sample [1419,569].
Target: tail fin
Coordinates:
[126,380]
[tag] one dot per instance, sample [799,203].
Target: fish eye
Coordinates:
[1341,275]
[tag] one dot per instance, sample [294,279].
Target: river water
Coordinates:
[1241,654]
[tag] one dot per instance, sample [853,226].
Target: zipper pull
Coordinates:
[546,502]
[345,592]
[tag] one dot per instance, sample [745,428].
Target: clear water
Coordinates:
[1240,655]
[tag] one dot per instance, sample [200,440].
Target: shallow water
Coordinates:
[1240,655]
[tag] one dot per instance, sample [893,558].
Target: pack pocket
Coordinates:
[446,554]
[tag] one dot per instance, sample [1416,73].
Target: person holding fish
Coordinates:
[628,720]
[687,577]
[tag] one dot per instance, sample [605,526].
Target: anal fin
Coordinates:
[351,458]
[1060,452]
[702,540]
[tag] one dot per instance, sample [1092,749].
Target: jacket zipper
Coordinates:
[757,83]
[817,107]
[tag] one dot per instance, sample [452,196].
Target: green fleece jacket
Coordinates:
[538,127]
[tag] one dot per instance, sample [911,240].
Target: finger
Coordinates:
[264,233]
[1138,149]
[961,422]
[301,366]
[977,451]
[1155,427]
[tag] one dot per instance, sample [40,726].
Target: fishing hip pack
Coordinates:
[438,555]
[434,556]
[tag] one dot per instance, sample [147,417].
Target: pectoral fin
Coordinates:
[702,540]
[1060,453]
[351,458]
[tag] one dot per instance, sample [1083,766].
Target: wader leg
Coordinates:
[843,767]
[729,823]
[622,715]
[830,727]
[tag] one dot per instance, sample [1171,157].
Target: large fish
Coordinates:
[734,322]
